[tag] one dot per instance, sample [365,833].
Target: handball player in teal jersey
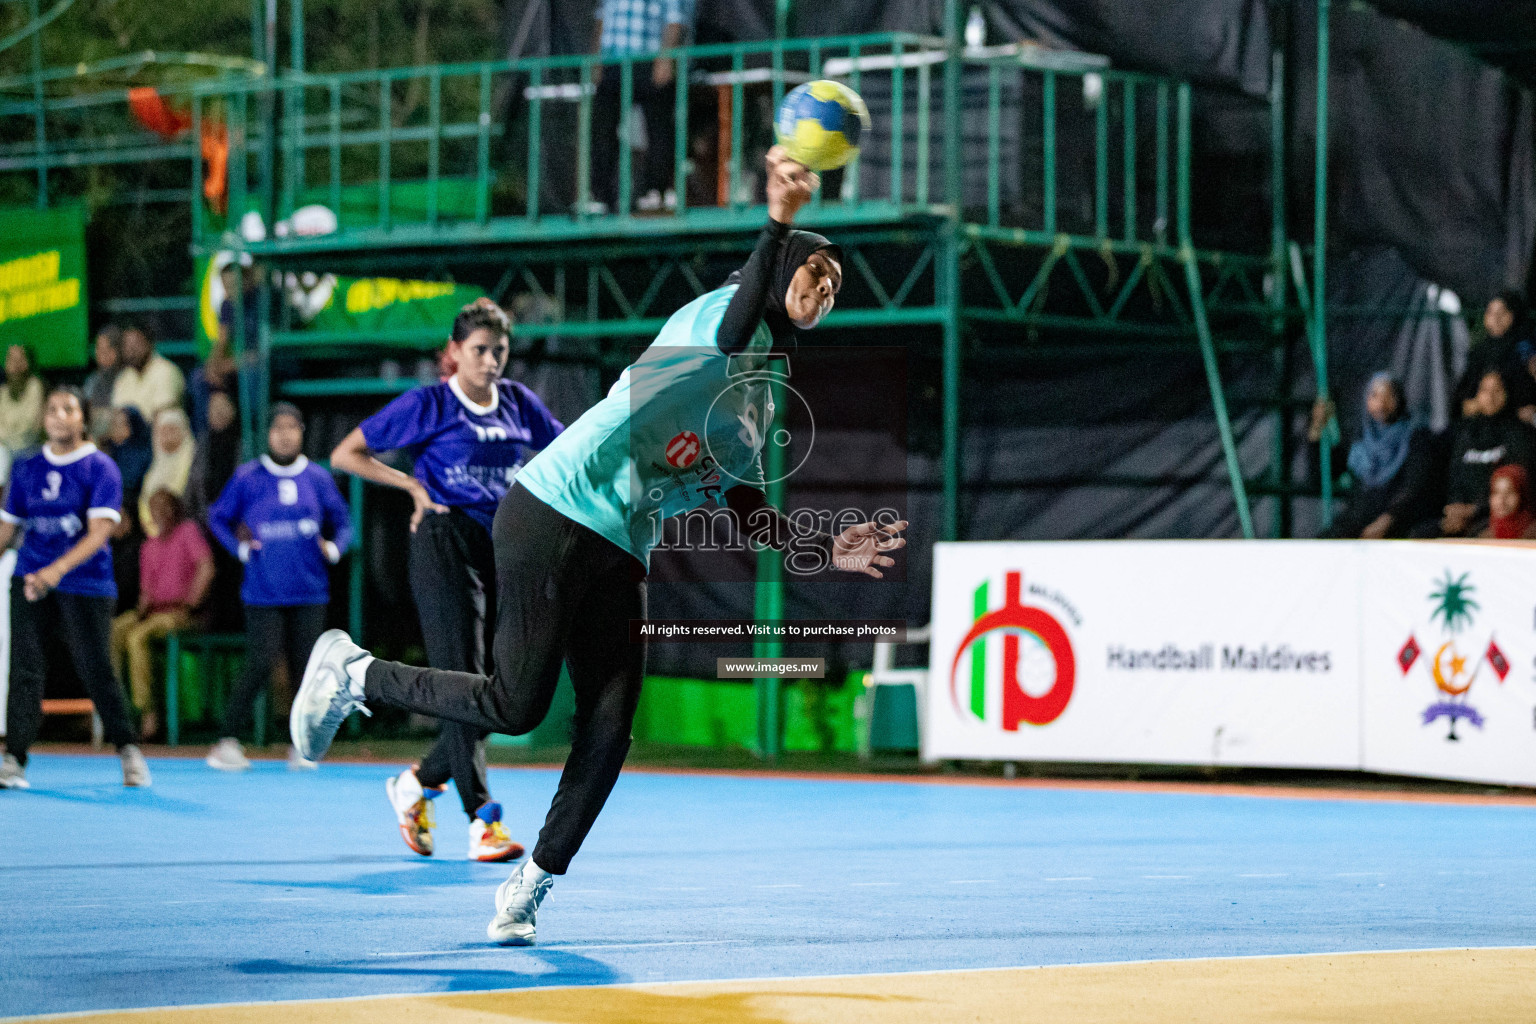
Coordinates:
[682,428]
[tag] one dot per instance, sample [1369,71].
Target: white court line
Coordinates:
[781,885]
[873,883]
[679,888]
[973,881]
[386,895]
[1069,878]
[1266,874]
[1358,874]
[1166,877]
[564,949]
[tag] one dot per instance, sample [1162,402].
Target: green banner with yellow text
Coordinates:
[42,283]
[371,308]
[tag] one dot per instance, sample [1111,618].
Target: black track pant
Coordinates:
[453,579]
[656,170]
[69,625]
[272,632]
[563,594]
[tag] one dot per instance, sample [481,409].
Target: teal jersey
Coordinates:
[682,425]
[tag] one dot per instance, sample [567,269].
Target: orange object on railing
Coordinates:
[215,143]
[154,113]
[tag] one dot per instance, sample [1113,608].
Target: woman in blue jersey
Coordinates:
[573,539]
[69,497]
[283,517]
[469,435]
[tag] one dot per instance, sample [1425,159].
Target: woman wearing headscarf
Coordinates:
[574,533]
[171,467]
[21,402]
[1510,514]
[1392,463]
[131,446]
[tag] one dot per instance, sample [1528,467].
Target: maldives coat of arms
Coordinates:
[1458,657]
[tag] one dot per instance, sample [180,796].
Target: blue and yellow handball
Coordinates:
[821,124]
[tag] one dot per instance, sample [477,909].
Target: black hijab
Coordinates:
[798,247]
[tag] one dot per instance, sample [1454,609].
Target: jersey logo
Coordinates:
[489,433]
[287,492]
[683,449]
[55,480]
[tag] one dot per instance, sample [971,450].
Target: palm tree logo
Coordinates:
[1453,603]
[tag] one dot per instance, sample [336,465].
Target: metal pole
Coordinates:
[296,36]
[1277,269]
[947,269]
[781,19]
[768,598]
[1320,256]
[1202,326]
[355,575]
[39,115]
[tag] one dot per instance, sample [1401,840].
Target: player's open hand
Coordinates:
[862,548]
[424,504]
[790,185]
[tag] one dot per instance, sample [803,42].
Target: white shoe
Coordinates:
[517,903]
[488,838]
[650,202]
[13,774]
[327,694]
[299,764]
[135,768]
[413,810]
[227,756]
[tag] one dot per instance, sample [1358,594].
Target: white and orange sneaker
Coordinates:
[488,838]
[413,809]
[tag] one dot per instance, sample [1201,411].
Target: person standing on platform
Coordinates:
[68,496]
[283,517]
[469,434]
[640,29]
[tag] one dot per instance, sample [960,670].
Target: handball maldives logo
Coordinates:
[1455,664]
[1036,652]
[682,450]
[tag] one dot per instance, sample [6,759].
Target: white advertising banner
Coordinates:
[1184,652]
[1414,658]
[1446,661]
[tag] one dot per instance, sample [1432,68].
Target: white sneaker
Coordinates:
[13,774]
[227,756]
[488,838]
[517,903]
[327,694]
[413,810]
[299,764]
[135,768]
[650,202]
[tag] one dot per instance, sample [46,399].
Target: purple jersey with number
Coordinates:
[54,497]
[466,454]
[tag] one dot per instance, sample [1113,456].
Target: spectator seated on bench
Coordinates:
[175,571]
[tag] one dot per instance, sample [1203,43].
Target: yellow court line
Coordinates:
[1489,986]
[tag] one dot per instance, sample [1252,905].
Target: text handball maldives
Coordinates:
[1203,658]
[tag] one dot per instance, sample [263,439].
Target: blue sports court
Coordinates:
[271,886]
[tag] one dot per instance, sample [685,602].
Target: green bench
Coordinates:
[210,646]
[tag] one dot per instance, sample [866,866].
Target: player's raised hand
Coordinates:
[790,185]
[861,548]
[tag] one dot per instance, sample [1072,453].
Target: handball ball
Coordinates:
[821,124]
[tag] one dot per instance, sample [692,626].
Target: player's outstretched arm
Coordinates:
[790,187]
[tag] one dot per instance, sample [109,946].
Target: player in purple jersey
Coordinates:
[68,496]
[468,435]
